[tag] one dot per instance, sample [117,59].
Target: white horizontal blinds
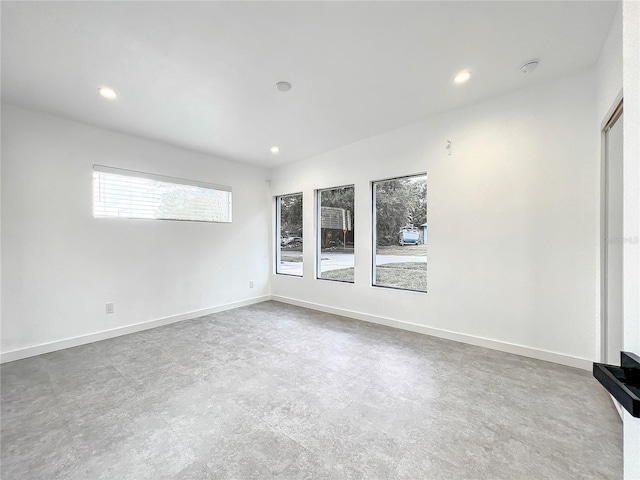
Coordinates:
[128,194]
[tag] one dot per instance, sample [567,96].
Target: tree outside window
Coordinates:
[400,233]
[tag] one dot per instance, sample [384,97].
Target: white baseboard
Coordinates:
[553,357]
[390,322]
[116,332]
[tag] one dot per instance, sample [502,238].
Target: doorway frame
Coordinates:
[613,115]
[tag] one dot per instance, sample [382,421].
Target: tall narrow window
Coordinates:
[336,234]
[400,233]
[128,194]
[289,228]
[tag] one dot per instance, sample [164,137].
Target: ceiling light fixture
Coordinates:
[283,86]
[108,92]
[275,149]
[530,66]
[462,76]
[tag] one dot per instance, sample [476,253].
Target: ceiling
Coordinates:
[201,75]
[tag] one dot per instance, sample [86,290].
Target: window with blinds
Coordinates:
[119,193]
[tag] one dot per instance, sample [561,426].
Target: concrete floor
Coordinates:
[275,391]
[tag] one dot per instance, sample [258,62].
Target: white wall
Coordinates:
[631,82]
[512,223]
[609,69]
[0,234]
[631,229]
[60,265]
[608,95]
[618,70]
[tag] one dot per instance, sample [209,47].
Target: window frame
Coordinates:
[278,229]
[98,169]
[318,232]
[374,231]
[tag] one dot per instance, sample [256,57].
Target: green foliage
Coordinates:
[291,216]
[289,258]
[342,274]
[341,197]
[408,276]
[184,202]
[419,250]
[399,202]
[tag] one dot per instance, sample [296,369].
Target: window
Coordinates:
[289,228]
[400,233]
[336,234]
[128,194]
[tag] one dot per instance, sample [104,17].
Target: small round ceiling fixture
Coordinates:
[275,149]
[108,92]
[530,66]
[462,76]
[283,86]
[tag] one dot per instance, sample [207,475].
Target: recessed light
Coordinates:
[108,92]
[283,86]
[275,149]
[462,76]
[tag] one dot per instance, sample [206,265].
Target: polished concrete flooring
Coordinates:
[275,391]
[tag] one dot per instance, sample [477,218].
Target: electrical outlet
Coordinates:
[110,307]
[251,284]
